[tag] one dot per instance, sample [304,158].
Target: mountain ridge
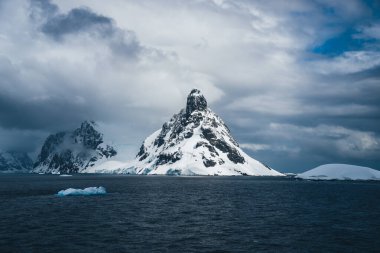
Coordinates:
[15,162]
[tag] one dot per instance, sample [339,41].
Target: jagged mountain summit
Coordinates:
[18,162]
[195,142]
[73,152]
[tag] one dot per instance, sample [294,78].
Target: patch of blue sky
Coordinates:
[350,40]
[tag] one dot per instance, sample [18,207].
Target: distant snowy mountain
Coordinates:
[73,152]
[194,142]
[340,172]
[15,162]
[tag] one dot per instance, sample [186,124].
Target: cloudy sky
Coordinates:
[297,82]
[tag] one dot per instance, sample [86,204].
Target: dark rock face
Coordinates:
[64,162]
[223,146]
[173,172]
[142,153]
[51,142]
[108,151]
[208,146]
[208,162]
[73,152]
[235,156]
[11,161]
[87,135]
[195,102]
[168,158]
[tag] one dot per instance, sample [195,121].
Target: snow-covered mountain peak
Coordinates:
[196,142]
[73,151]
[195,102]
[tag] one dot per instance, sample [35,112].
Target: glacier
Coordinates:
[340,172]
[84,192]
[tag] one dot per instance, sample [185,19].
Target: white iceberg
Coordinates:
[340,172]
[86,191]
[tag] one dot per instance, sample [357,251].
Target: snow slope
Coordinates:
[340,172]
[195,142]
[112,167]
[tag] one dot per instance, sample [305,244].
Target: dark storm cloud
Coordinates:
[83,20]
[19,110]
[43,7]
[34,115]
[76,21]
[64,103]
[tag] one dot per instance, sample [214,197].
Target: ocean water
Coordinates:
[188,214]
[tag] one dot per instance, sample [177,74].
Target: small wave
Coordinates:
[86,191]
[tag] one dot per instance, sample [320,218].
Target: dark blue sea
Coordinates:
[188,214]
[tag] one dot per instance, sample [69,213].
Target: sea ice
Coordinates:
[86,191]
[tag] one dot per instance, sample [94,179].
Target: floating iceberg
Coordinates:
[86,191]
[340,172]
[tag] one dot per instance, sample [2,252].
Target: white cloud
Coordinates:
[255,146]
[286,105]
[349,62]
[271,148]
[370,31]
